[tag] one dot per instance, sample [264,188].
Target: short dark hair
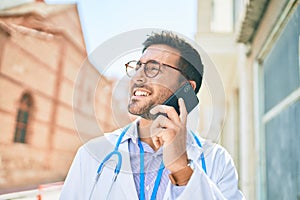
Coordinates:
[190,60]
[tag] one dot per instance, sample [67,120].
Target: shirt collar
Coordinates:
[132,134]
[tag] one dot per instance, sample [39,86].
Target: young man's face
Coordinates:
[146,92]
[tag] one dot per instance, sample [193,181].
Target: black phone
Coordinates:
[188,94]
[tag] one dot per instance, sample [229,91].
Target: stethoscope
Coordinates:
[117,170]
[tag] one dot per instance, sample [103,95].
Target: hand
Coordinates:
[169,130]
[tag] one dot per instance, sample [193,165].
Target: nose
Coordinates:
[140,76]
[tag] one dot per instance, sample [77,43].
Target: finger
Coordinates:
[156,141]
[162,122]
[166,136]
[162,135]
[183,111]
[169,110]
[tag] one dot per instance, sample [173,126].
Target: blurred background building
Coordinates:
[41,52]
[255,46]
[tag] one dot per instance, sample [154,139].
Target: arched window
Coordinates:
[23,116]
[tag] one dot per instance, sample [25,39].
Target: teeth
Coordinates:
[141,93]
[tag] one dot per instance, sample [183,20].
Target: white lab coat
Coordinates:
[220,182]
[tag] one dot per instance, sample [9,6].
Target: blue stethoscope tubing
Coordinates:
[142,175]
[108,157]
[114,152]
[117,153]
[202,154]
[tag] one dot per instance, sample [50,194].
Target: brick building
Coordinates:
[41,52]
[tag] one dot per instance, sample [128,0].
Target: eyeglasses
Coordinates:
[151,68]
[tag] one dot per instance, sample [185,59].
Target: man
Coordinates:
[155,157]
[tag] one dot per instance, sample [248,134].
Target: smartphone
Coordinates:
[188,94]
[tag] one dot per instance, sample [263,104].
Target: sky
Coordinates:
[102,20]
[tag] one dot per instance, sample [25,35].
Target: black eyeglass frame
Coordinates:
[145,64]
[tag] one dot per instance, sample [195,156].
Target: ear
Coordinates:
[193,84]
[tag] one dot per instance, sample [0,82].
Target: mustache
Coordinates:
[142,85]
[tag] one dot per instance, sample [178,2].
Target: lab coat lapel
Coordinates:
[194,152]
[125,177]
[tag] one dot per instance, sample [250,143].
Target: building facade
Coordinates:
[272,55]
[257,49]
[216,35]
[42,52]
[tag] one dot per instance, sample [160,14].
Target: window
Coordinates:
[281,113]
[23,116]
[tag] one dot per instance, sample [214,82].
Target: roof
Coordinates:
[250,20]
[32,19]
[12,29]
[38,9]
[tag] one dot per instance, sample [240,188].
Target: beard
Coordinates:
[142,107]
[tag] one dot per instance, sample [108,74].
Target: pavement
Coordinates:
[44,192]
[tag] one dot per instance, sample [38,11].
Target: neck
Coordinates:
[144,132]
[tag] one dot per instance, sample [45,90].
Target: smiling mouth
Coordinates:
[140,92]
